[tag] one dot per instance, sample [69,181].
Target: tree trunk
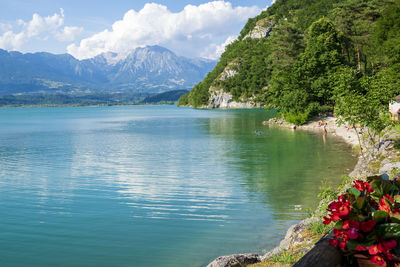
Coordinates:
[341,45]
[365,64]
[358,59]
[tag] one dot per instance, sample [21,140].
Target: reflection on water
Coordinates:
[152,185]
[283,168]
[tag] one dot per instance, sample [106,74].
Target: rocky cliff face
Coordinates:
[262,29]
[221,99]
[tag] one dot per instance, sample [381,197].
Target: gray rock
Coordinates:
[387,168]
[221,99]
[262,29]
[235,260]
[293,237]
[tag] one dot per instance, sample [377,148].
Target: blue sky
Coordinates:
[86,28]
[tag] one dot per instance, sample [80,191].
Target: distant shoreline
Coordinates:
[88,105]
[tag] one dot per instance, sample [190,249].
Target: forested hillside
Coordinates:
[315,56]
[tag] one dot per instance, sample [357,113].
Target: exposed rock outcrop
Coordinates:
[235,260]
[262,29]
[229,71]
[221,99]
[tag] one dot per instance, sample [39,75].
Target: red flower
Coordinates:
[388,256]
[337,232]
[354,224]
[361,248]
[368,226]
[327,220]
[352,233]
[388,198]
[342,244]
[378,260]
[334,242]
[384,205]
[363,186]
[346,225]
[391,244]
[343,211]
[339,209]
[374,249]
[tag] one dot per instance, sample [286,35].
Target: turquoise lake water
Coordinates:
[153,185]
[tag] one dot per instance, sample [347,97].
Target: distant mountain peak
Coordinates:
[113,58]
[144,69]
[110,58]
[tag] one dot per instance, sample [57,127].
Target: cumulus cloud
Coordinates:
[68,33]
[5,27]
[214,51]
[38,27]
[195,28]
[12,41]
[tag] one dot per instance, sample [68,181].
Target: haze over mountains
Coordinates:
[151,69]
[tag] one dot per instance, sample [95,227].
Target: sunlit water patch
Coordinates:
[153,185]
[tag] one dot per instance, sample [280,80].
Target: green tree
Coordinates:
[363,101]
[355,19]
[308,87]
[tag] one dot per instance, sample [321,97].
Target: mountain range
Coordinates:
[151,69]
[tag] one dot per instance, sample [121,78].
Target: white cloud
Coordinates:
[214,51]
[68,34]
[38,27]
[5,27]
[12,41]
[193,29]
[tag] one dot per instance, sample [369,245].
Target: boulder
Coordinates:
[235,260]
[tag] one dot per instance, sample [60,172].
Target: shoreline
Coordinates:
[296,234]
[85,105]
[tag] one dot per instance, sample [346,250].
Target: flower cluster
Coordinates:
[367,219]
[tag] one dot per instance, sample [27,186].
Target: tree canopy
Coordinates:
[320,56]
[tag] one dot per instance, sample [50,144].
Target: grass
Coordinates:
[396,128]
[284,259]
[397,144]
[357,149]
[318,228]
[270,264]
[289,257]
[376,164]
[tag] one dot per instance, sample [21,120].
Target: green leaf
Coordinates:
[360,202]
[339,225]
[395,218]
[352,244]
[389,230]
[376,183]
[379,215]
[355,192]
[397,198]
[381,186]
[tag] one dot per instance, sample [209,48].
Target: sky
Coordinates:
[87,28]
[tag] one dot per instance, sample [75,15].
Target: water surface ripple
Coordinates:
[152,185]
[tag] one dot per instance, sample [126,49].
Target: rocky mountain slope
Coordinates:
[151,69]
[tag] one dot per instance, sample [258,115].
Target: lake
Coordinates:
[153,185]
